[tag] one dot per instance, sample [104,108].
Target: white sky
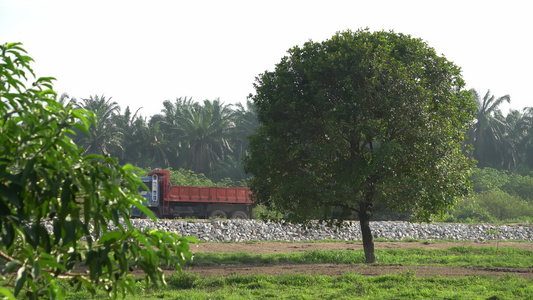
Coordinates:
[141,53]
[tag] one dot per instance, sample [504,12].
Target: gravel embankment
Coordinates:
[252,230]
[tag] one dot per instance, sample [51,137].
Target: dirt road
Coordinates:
[339,269]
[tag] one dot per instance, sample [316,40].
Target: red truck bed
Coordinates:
[210,194]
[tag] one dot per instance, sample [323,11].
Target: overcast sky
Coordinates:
[141,53]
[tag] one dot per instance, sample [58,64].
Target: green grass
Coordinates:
[454,257]
[347,286]
[403,285]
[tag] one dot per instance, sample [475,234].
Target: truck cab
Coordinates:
[152,195]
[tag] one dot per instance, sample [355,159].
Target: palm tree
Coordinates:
[131,127]
[65,99]
[158,149]
[169,129]
[489,134]
[525,127]
[205,132]
[105,137]
[245,122]
[517,136]
[200,133]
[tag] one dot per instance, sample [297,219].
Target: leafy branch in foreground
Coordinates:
[45,179]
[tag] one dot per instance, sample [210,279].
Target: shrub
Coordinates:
[520,186]
[469,211]
[493,206]
[503,206]
[488,179]
[261,212]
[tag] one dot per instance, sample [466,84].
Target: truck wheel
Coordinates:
[218,214]
[239,215]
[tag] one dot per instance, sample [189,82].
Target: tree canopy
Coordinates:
[63,214]
[360,119]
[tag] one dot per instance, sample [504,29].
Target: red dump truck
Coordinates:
[167,201]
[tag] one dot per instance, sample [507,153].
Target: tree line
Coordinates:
[204,143]
[210,137]
[207,137]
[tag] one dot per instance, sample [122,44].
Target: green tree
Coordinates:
[488,179]
[45,179]
[168,133]
[104,136]
[356,120]
[132,129]
[525,128]
[513,155]
[206,133]
[245,124]
[201,132]
[488,136]
[149,147]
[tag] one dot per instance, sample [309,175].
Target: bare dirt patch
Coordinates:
[339,269]
[288,247]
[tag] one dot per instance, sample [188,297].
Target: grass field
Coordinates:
[452,257]
[348,286]
[404,284]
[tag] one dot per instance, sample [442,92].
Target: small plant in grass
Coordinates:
[182,281]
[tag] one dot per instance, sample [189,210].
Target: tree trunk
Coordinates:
[365,211]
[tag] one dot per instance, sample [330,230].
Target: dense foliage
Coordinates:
[500,196]
[85,199]
[360,119]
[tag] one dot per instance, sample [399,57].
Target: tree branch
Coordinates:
[6,257]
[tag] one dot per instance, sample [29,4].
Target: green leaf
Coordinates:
[36,270]
[10,266]
[145,210]
[57,227]
[4,210]
[70,232]
[82,128]
[110,236]
[93,157]
[49,261]
[65,198]
[32,234]
[7,294]
[21,280]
